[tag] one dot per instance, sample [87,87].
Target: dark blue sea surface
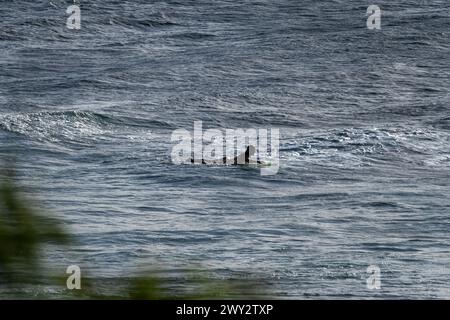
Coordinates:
[364,119]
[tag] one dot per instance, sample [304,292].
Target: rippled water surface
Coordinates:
[363,116]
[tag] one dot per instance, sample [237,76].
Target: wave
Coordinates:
[141,23]
[55,126]
[443,123]
[73,126]
[192,36]
[355,146]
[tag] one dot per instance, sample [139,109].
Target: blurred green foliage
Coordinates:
[23,232]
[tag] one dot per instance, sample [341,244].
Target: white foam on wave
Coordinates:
[356,146]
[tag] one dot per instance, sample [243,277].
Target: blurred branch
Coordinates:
[23,233]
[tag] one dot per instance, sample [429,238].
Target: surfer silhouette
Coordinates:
[243,158]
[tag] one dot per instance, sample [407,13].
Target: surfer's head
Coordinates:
[249,152]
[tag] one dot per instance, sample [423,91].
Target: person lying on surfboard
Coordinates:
[243,158]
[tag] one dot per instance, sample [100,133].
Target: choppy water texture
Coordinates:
[363,115]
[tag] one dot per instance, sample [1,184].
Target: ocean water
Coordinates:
[364,149]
